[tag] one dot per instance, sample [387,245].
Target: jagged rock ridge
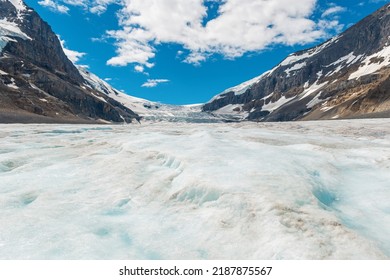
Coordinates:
[38,83]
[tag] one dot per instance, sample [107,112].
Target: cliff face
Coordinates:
[38,83]
[345,77]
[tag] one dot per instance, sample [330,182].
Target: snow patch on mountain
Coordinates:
[343,63]
[95,82]
[8,31]
[232,111]
[19,5]
[316,100]
[12,84]
[243,87]
[373,63]
[295,67]
[348,59]
[272,106]
[296,57]
[313,88]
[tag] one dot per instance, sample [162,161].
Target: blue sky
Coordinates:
[187,51]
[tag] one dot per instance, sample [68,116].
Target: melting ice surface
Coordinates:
[312,190]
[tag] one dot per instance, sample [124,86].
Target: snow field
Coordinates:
[313,190]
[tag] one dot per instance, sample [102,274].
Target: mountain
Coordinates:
[149,110]
[38,83]
[345,77]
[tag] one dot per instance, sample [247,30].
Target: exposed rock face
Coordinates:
[345,77]
[38,83]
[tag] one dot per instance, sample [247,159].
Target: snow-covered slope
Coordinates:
[347,76]
[9,30]
[372,64]
[20,7]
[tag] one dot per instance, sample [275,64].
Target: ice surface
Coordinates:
[302,190]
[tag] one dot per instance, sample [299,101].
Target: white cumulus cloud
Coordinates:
[240,26]
[73,56]
[231,29]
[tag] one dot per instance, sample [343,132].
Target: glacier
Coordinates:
[161,190]
[8,31]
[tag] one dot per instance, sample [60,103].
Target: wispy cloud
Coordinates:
[150,83]
[100,6]
[81,3]
[333,10]
[94,6]
[54,6]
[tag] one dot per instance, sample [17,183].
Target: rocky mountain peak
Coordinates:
[38,83]
[336,79]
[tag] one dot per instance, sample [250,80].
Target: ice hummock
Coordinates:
[302,190]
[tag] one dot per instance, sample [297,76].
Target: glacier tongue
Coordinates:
[313,190]
[8,30]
